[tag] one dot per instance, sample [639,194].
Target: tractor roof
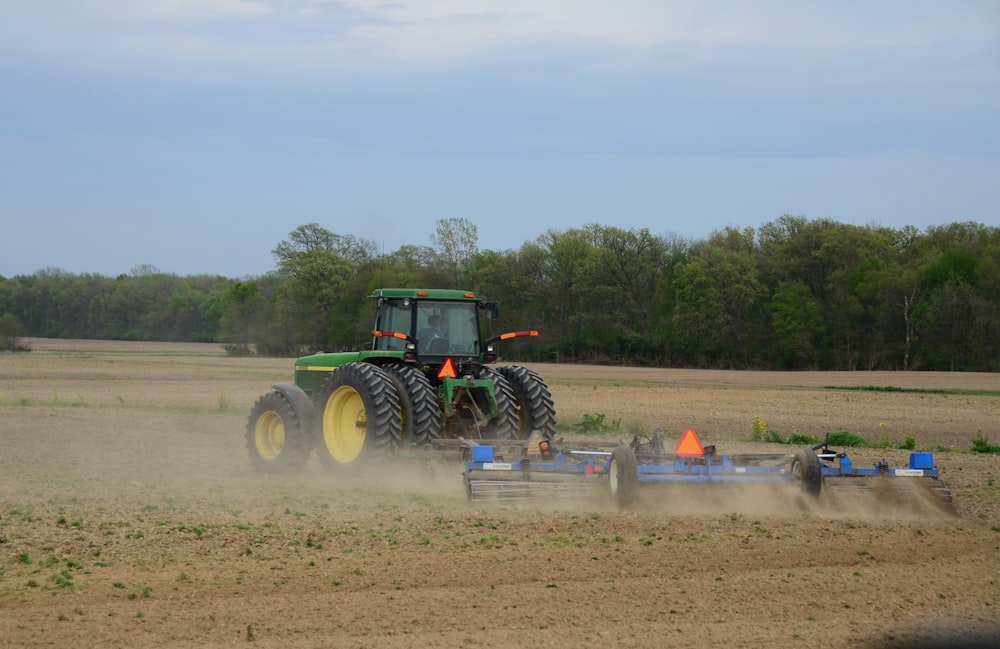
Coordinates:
[425,293]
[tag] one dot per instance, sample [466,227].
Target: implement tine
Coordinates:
[481,490]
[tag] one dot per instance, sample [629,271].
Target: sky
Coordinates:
[195,135]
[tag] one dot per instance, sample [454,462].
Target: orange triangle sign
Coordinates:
[689,445]
[447,370]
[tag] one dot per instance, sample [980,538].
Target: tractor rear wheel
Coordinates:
[807,472]
[276,438]
[534,402]
[623,476]
[359,415]
[504,424]
[421,412]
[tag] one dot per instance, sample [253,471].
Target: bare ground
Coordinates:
[130,516]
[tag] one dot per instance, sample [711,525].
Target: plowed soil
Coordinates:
[130,516]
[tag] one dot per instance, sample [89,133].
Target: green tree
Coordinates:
[668,335]
[719,294]
[496,278]
[318,279]
[212,308]
[409,266]
[568,257]
[10,334]
[796,324]
[313,236]
[946,335]
[456,241]
[954,264]
[623,273]
[240,317]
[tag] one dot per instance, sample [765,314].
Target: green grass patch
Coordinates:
[981,444]
[798,439]
[62,580]
[846,438]
[893,388]
[761,432]
[28,402]
[596,425]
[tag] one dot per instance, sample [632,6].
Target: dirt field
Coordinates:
[130,516]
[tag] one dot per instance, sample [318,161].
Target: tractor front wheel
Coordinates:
[359,415]
[276,438]
[504,422]
[623,476]
[534,402]
[421,412]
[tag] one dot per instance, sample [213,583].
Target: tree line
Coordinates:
[794,293]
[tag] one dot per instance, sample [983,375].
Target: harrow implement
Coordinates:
[546,474]
[542,471]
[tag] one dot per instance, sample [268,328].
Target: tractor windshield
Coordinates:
[447,328]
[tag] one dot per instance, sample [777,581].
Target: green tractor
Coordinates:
[423,382]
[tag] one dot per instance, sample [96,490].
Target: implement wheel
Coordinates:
[421,412]
[359,415]
[807,472]
[534,402]
[623,476]
[276,437]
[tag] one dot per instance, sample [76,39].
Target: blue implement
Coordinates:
[547,472]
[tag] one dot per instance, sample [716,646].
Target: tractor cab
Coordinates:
[429,326]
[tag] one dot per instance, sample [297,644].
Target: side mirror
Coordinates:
[492,310]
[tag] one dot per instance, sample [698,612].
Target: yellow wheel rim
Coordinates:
[269,435]
[345,422]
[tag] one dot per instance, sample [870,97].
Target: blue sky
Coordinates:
[194,135]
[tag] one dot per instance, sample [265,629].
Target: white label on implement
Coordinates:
[496,466]
[909,473]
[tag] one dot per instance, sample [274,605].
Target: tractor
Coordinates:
[422,385]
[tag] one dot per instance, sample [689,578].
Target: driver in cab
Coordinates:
[431,331]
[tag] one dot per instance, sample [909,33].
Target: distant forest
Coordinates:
[792,294]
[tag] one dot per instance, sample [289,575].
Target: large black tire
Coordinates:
[504,424]
[807,472]
[623,476]
[359,416]
[277,438]
[534,402]
[421,411]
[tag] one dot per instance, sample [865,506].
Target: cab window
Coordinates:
[395,316]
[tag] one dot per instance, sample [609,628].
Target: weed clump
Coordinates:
[596,425]
[981,444]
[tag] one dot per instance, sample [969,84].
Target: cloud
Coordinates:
[309,38]
[185,11]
